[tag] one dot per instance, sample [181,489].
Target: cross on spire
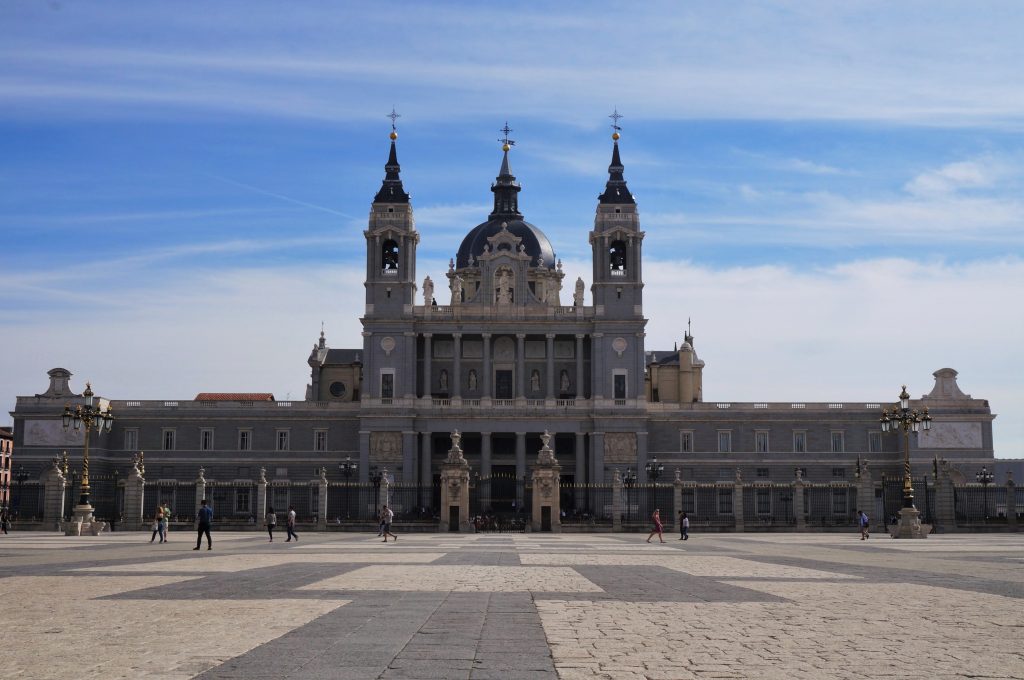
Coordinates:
[616,116]
[505,140]
[393,116]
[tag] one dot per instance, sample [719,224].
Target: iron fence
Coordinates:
[27,500]
[980,504]
[180,497]
[830,505]
[892,498]
[639,501]
[708,505]
[768,505]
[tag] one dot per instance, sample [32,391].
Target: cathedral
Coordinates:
[504,350]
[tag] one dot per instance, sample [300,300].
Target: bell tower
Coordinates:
[391,241]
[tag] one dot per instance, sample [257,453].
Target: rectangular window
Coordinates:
[799,442]
[206,440]
[319,440]
[242,500]
[281,472]
[245,440]
[726,473]
[168,440]
[686,442]
[761,441]
[763,473]
[839,473]
[837,442]
[725,501]
[875,442]
[619,385]
[724,441]
[387,385]
[283,440]
[131,439]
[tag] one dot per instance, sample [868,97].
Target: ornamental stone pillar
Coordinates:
[134,497]
[798,501]
[945,504]
[1011,502]
[321,510]
[737,502]
[455,489]
[616,500]
[200,490]
[54,487]
[261,496]
[547,509]
[677,500]
[865,486]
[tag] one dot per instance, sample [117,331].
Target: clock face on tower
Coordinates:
[337,389]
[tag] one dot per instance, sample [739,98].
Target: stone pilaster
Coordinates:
[1011,502]
[455,489]
[134,499]
[54,486]
[321,511]
[261,496]
[677,499]
[737,502]
[798,502]
[546,493]
[945,503]
[200,489]
[616,500]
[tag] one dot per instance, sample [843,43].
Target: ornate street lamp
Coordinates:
[985,478]
[902,417]
[88,417]
[347,468]
[654,469]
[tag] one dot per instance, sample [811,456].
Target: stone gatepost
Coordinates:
[865,486]
[1011,502]
[200,490]
[134,495]
[261,496]
[455,489]
[54,486]
[677,500]
[616,500]
[547,506]
[321,517]
[798,501]
[945,501]
[737,502]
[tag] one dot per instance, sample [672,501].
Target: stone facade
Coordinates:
[503,355]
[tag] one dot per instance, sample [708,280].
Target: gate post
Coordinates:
[798,501]
[1011,502]
[200,489]
[321,510]
[261,496]
[546,494]
[616,500]
[865,487]
[54,484]
[945,505]
[737,502]
[677,500]
[455,488]
[134,495]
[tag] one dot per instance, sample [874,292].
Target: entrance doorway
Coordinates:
[503,385]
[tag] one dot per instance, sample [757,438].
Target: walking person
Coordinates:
[167,521]
[5,523]
[684,527]
[271,523]
[290,524]
[658,529]
[385,523]
[204,518]
[862,520]
[380,521]
[159,527]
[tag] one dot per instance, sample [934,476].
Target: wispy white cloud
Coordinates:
[952,177]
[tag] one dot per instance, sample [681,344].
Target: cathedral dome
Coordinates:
[534,242]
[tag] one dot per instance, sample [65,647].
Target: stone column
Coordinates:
[798,502]
[737,502]
[456,386]
[426,474]
[677,499]
[549,353]
[597,457]
[579,366]
[408,456]
[134,497]
[945,504]
[520,366]
[385,487]
[54,486]
[865,488]
[1011,502]
[455,489]
[487,392]
[261,495]
[364,457]
[581,460]
[428,380]
[321,514]
[546,493]
[409,372]
[200,489]
[616,500]
[597,376]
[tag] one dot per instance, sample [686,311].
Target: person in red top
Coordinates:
[656,518]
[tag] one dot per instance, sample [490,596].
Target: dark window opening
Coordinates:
[389,256]
[617,257]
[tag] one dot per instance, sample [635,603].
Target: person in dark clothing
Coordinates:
[204,518]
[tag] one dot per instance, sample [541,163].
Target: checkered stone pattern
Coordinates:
[505,606]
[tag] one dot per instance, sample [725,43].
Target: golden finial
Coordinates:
[615,136]
[393,135]
[505,147]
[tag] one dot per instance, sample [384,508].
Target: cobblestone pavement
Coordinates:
[512,606]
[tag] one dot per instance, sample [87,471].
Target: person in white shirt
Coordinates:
[386,516]
[291,524]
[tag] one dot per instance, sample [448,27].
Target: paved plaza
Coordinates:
[512,606]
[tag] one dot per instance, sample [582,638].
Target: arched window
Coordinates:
[389,258]
[617,258]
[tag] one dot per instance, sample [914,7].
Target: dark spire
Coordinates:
[505,188]
[392,191]
[616,191]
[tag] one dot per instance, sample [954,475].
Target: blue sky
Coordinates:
[183,187]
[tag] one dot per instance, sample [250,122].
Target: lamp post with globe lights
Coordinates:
[901,416]
[87,417]
[347,467]
[984,478]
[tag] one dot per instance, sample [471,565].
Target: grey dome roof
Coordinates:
[535,242]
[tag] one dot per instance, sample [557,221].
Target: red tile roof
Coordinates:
[234,396]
